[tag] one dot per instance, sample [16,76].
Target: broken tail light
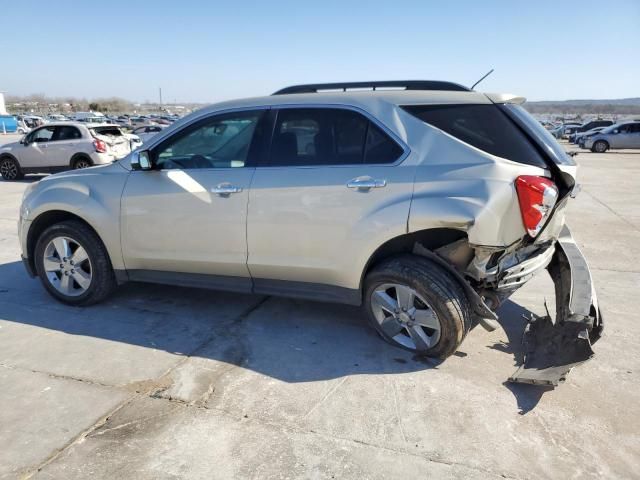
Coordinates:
[537,197]
[100,146]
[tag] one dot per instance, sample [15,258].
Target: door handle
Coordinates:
[225,189]
[365,183]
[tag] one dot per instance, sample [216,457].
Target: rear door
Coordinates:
[624,137]
[332,184]
[634,141]
[63,145]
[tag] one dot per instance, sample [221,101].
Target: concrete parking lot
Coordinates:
[163,382]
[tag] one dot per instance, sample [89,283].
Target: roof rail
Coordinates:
[400,84]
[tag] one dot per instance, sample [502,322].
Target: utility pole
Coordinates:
[160,89]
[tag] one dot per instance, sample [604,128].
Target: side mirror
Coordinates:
[141,161]
[616,131]
[23,141]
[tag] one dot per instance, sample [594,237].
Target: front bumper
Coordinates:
[554,347]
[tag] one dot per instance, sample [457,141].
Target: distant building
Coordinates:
[3,107]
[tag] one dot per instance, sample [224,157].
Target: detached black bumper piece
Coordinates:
[553,348]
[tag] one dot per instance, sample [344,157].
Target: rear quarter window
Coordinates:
[482,126]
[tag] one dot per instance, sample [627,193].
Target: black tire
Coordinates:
[103,281]
[437,286]
[10,169]
[599,146]
[81,161]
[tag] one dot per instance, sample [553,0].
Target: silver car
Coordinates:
[62,146]
[618,136]
[428,204]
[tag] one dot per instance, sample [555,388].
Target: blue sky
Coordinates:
[215,50]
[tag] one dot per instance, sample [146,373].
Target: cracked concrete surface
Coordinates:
[163,382]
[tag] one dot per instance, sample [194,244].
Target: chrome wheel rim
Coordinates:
[8,170]
[82,164]
[405,316]
[600,147]
[67,266]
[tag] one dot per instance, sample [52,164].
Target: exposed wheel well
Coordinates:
[430,239]
[44,221]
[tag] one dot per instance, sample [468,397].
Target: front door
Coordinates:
[33,153]
[188,215]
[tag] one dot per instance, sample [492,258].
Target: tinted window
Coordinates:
[329,136]
[482,126]
[223,141]
[42,135]
[66,133]
[380,148]
[635,127]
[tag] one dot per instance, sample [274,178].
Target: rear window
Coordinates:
[482,126]
[113,131]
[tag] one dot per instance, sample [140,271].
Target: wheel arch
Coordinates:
[44,221]
[431,239]
[77,156]
[425,243]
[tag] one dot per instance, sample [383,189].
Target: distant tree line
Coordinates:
[39,103]
[567,108]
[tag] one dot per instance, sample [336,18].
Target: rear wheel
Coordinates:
[81,162]
[600,146]
[417,305]
[9,169]
[73,264]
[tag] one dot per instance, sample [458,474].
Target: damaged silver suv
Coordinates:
[425,202]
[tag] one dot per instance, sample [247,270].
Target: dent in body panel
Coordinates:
[459,186]
[92,196]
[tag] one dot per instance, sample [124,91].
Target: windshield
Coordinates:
[540,134]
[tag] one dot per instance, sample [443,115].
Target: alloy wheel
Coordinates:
[8,170]
[405,317]
[67,266]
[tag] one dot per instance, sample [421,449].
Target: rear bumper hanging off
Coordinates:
[553,348]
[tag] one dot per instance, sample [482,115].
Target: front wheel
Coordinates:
[10,170]
[600,146]
[73,264]
[415,304]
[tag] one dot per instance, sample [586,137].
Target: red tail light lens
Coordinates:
[100,146]
[537,197]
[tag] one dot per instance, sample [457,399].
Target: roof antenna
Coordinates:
[485,76]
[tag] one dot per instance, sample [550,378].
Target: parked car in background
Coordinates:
[139,121]
[147,131]
[580,137]
[427,208]
[588,126]
[60,146]
[54,117]
[568,128]
[618,136]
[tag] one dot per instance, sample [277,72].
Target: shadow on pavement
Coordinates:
[290,340]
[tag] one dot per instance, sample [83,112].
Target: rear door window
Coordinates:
[482,126]
[329,136]
[66,132]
